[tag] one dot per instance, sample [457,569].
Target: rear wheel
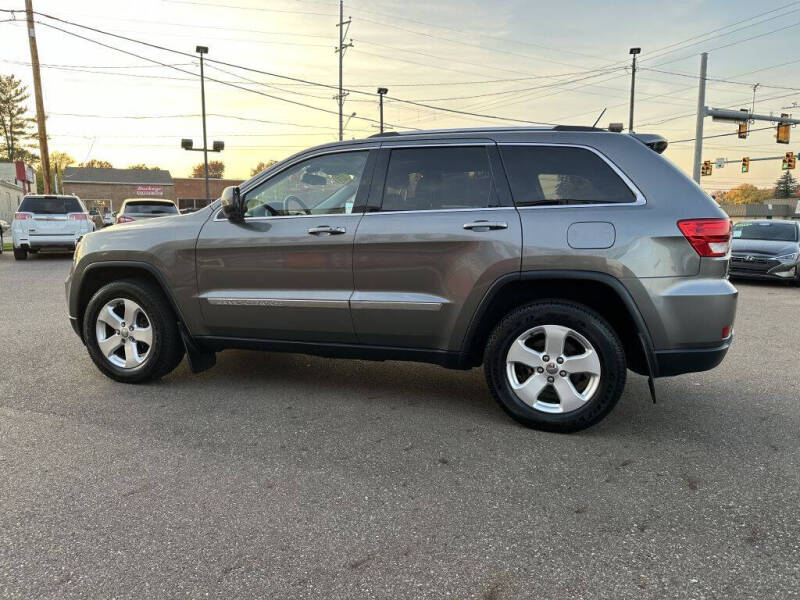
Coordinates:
[20,254]
[555,366]
[131,332]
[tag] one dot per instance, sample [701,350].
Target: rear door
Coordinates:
[53,216]
[439,230]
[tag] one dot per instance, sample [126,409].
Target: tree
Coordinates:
[58,161]
[261,166]
[216,169]
[15,126]
[96,163]
[786,186]
[747,194]
[143,167]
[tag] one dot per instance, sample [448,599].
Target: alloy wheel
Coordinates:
[124,333]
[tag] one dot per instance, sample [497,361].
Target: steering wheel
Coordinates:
[293,198]
[261,211]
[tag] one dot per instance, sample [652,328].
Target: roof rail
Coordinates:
[385,134]
[576,128]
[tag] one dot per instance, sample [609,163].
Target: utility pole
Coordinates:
[633,52]
[37,91]
[201,50]
[381,92]
[701,115]
[340,50]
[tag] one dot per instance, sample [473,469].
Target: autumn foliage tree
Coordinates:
[261,166]
[96,163]
[216,169]
[747,194]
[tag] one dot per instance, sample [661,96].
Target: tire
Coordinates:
[158,357]
[557,400]
[20,254]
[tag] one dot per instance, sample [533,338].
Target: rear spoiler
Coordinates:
[653,141]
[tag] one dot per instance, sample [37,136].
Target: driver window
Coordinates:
[324,185]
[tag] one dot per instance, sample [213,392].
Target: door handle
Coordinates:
[326,230]
[485,225]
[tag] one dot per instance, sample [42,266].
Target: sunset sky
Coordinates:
[539,61]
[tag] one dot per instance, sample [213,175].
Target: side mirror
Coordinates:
[232,205]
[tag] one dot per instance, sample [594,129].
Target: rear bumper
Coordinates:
[690,360]
[47,241]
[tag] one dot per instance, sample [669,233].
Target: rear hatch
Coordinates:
[137,210]
[52,216]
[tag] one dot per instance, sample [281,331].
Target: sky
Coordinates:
[515,60]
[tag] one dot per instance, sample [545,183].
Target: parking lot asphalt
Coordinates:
[285,476]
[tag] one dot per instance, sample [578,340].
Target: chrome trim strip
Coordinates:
[217,216]
[640,199]
[396,305]
[437,210]
[278,302]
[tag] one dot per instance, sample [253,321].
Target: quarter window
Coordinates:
[551,175]
[438,179]
[323,185]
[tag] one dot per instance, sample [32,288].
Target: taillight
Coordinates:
[78,216]
[21,216]
[709,237]
[125,219]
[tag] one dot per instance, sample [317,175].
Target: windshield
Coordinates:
[50,205]
[151,208]
[774,231]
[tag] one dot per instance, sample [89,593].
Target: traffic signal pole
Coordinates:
[701,115]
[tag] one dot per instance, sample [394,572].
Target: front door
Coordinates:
[440,229]
[286,273]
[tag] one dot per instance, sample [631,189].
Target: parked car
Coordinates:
[766,249]
[4,226]
[556,257]
[48,221]
[137,209]
[96,218]
[108,218]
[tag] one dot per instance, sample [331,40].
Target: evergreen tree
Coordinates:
[786,186]
[15,126]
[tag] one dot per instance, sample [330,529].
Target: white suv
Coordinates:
[48,222]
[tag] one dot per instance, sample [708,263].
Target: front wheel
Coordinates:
[555,366]
[131,332]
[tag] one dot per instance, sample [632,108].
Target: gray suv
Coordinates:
[556,257]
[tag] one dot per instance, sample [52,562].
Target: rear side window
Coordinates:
[151,208]
[438,179]
[50,205]
[552,175]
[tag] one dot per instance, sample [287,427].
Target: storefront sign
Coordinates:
[150,190]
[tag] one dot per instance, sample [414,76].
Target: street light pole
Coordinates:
[633,52]
[201,50]
[381,92]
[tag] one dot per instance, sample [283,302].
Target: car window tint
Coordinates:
[150,208]
[551,175]
[775,231]
[45,205]
[437,179]
[323,185]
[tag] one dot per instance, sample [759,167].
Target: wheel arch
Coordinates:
[598,291]
[96,275]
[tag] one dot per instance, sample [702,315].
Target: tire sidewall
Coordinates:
[588,324]
[131,291]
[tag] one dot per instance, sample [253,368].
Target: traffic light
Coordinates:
[789,161]
[743,131]
[782,136]
[706,170]
[746,164]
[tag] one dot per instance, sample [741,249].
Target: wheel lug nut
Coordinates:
[560,360]
[550,380]
[545,358]
[563,373]
[540,369]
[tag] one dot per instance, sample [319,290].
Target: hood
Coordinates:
[763,247]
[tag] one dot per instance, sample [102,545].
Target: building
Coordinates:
[108,188]
[788,208]
[16,180]
[190,192]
